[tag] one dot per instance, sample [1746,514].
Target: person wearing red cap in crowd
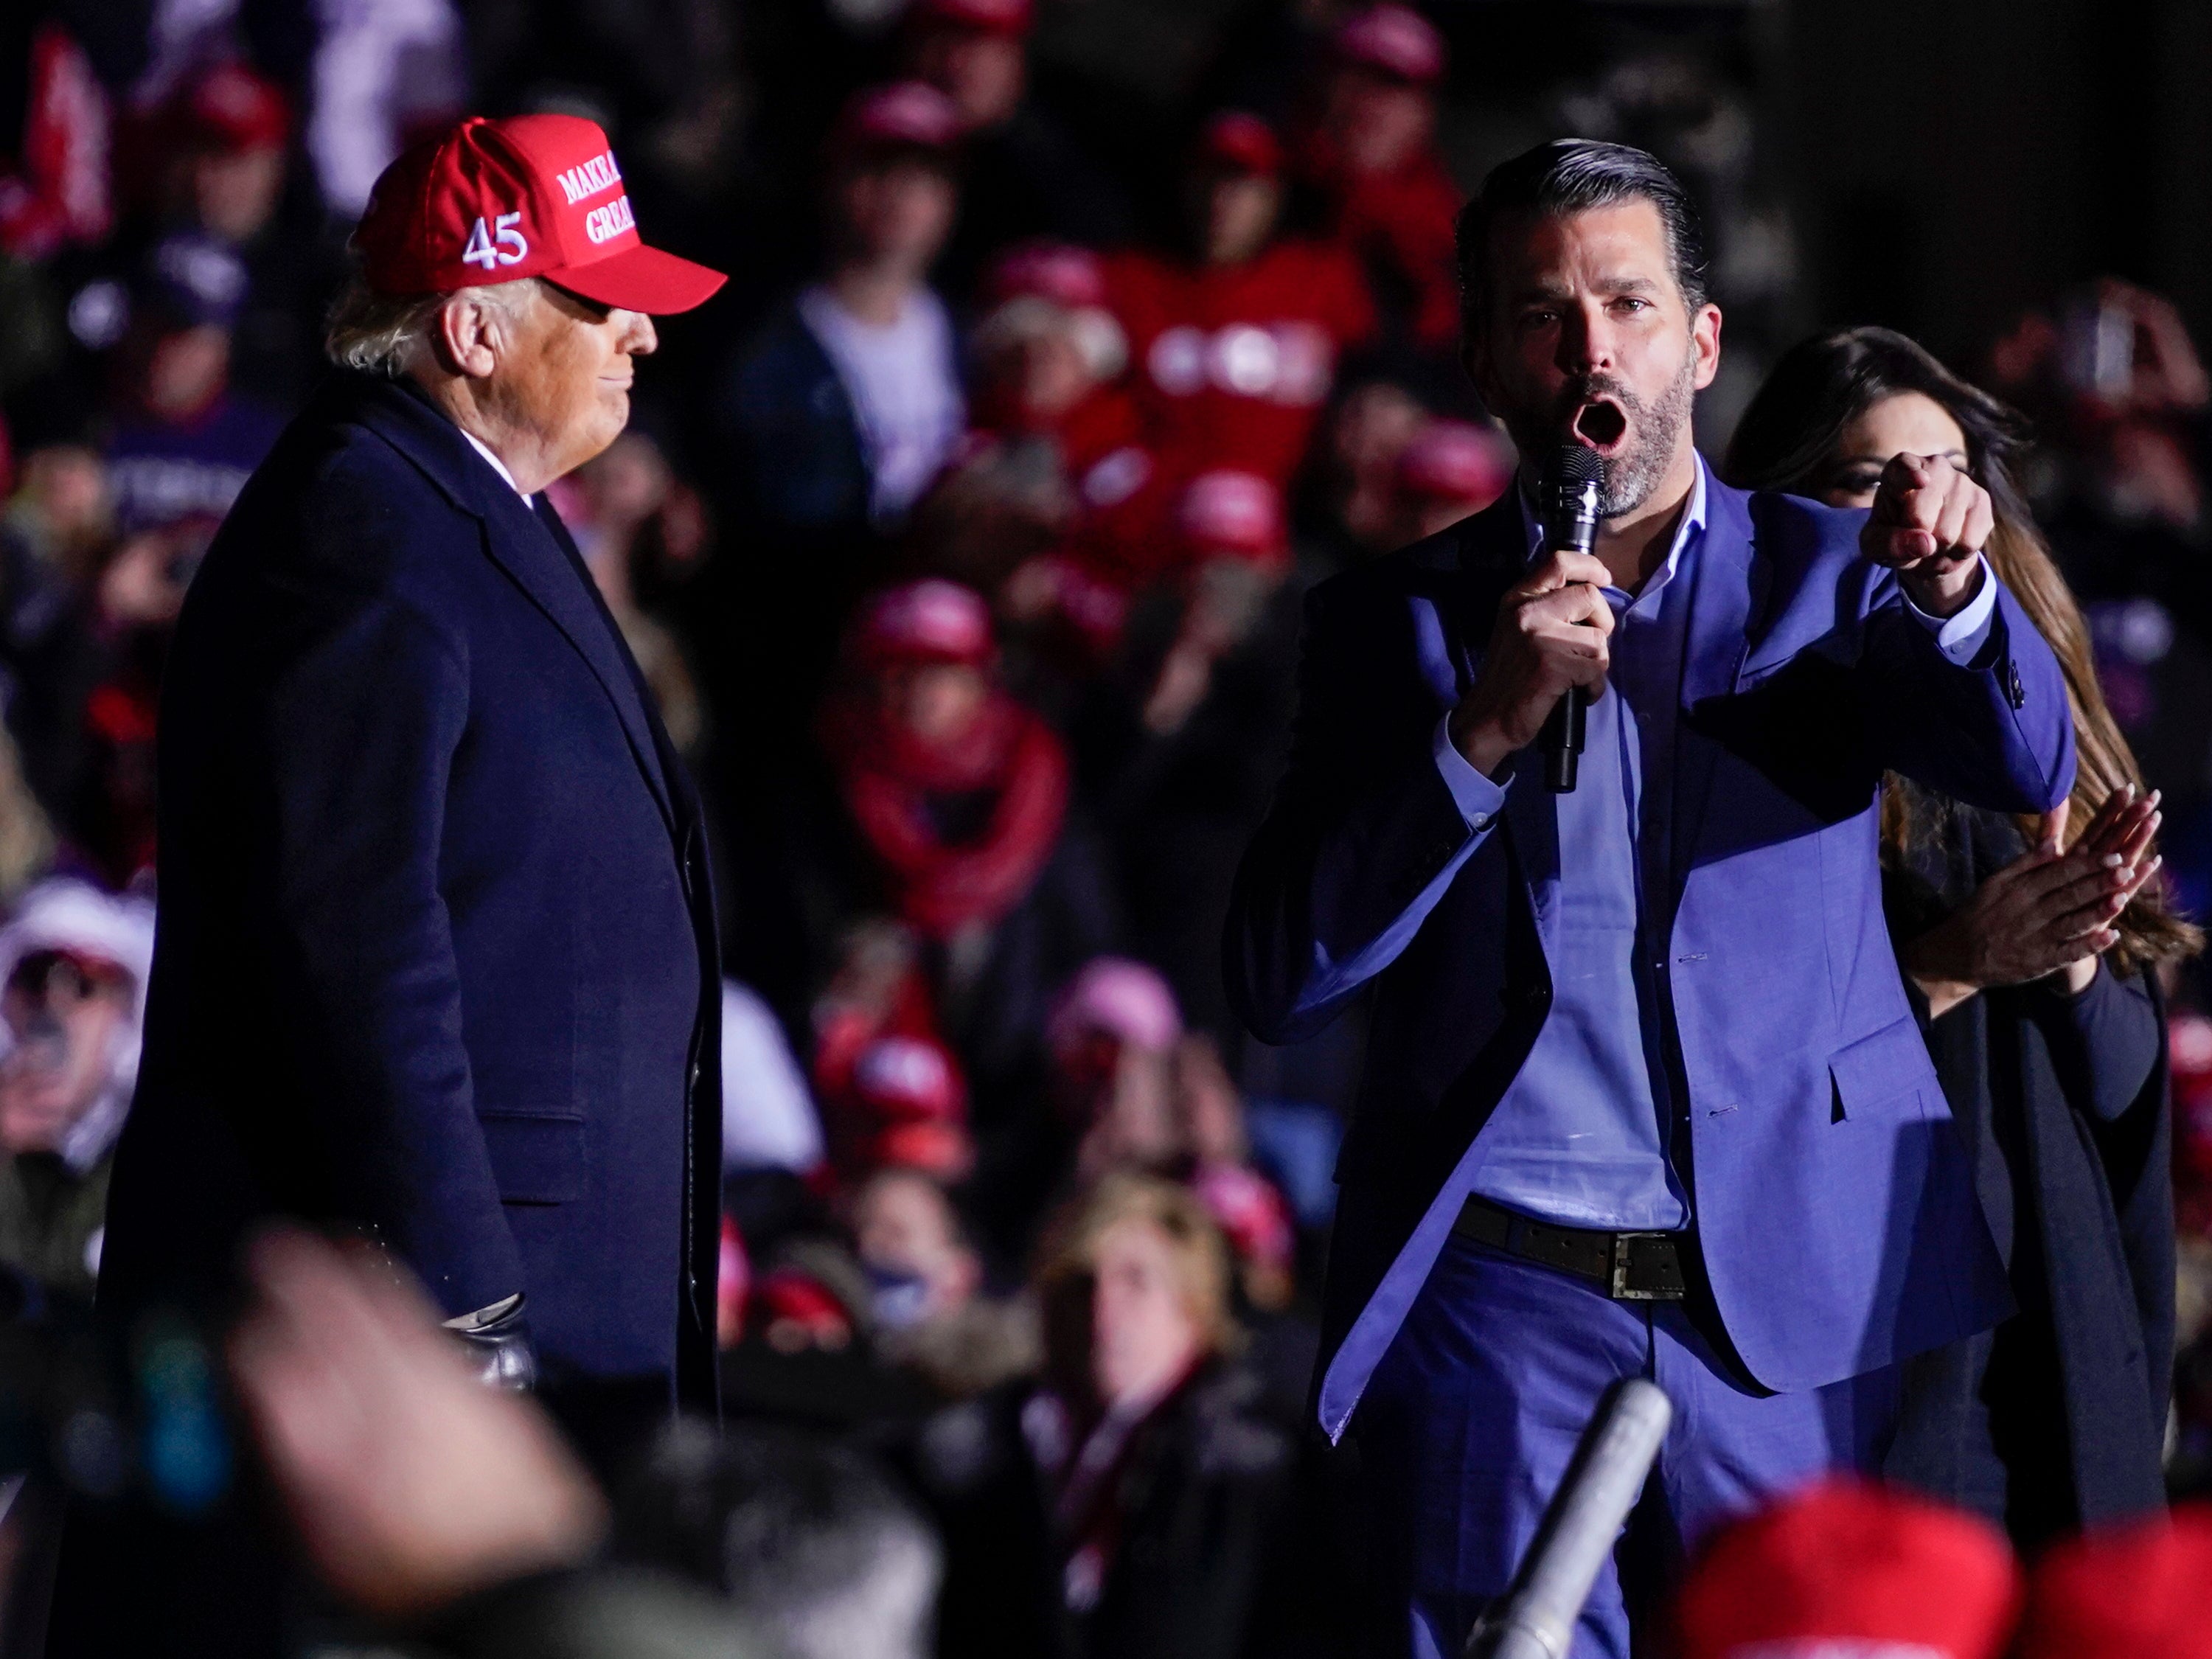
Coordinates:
[926,722]
[1450,470]
[954,801]
[844,406]
[1049,356]
[898,1102]
[1025,175]
[1369,153]
[417,810]
[1843,1567]
[1235,341]
[1184,743]
[2142,1591]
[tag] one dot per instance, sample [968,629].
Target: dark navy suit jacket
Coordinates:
[435,955]
[1835,1206]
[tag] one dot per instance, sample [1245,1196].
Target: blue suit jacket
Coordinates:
[1834,1206]
[435,954]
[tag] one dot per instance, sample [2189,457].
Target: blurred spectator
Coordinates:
[183,442]
[1183,747]
[54,192]
[2130,1593]
[847,401]
[1372,424]
[1129,1506]
[769,1120]
[850,399]
[232,131]
[1449,471]
[810,1543]
[930,1313]
[1148,1098]
[1049,401]
[385,73]
[1847,1567]
[958,797]
[1236,337]
[53,534]
[900,1104]
[1023,175]
[1370,153]
[72,962]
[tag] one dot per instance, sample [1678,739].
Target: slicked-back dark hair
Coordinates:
[1573,175]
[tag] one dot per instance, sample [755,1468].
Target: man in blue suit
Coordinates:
[1644,1094]
[435,958]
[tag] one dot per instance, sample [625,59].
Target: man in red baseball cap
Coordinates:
[417,809]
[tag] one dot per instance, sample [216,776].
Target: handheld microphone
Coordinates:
[1535,1618]
[1567,497]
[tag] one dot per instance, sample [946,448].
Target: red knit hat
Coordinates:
[2138,1592]
[1845,1565]
[527,196]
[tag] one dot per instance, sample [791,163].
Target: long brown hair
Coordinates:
[1788,440]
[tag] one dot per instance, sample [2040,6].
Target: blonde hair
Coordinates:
[382,334]
[1068,1256]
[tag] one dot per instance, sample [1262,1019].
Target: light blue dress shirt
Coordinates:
[1580,1136]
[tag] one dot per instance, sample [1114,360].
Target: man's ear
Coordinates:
[1705,342]
[468,335]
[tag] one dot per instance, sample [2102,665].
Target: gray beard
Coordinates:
[1631,476]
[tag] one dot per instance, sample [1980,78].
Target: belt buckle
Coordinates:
[1621,1290]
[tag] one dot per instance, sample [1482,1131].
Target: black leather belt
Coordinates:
[1626,1267]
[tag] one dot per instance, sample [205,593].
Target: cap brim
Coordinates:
[641,279]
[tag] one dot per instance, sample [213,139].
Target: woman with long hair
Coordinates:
[2032,956]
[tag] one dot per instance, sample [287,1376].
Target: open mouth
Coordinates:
[1602,424]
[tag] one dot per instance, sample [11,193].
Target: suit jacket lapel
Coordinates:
[1712,657]
[531,545]
[1492,555]
[543,559]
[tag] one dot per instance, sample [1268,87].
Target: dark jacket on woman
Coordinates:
[2055,1420]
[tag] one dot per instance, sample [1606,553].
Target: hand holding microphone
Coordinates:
[1549,642]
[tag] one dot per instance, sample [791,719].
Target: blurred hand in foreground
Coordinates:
[411,1484]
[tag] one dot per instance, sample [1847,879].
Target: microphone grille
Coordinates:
[1575,465]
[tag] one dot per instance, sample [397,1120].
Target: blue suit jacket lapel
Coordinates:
[537,555]
[1492,552]
[1713,660]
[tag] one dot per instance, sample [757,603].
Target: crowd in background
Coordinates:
[963,545]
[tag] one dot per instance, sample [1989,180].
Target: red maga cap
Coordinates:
[526,195]
[1242,141]
[1846,1567]
[1456,461]
[1059,271]
[237,109]
[927,621]
[1396,39]
[903,115]
[1013,17]
[2138,1592]
[1237,513]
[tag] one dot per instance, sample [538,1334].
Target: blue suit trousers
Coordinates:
[1475,1410]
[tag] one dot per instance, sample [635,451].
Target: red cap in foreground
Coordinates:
[2138,1592]
[526,196]
[1242,141]
[1847,1566]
